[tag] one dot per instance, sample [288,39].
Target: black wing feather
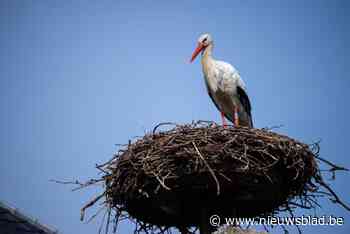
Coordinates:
[244,99]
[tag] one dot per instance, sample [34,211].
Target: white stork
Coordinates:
[224,84]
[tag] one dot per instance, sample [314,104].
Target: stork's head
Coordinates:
[203,42]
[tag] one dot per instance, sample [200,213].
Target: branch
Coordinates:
[209,168]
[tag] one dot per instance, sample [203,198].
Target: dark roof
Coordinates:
[14,222]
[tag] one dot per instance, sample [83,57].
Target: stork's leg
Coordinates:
[224,123]
[235,116]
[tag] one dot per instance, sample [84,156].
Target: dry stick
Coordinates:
[67,182]
[89,183]
[161,124]
[108,220]
[334,167]
[273,127]
[336,198]
[160,181]
[117,217]
[108,162]
[102,222]
[299,205]
[96,214]
[90,203]
[80,185]
[209,168]
[292,215]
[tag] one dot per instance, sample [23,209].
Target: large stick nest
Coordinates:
[166,178]
[169,178]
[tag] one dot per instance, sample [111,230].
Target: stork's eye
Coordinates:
[205,39]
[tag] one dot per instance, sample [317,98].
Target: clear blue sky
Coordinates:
[76,77]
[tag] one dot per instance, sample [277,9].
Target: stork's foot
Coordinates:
[224,122]
[236,122]
[236,117]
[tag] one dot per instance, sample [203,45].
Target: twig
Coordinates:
[161,124]
[160,181]
[90,203]
[209,168]
[336,198]
[334,167]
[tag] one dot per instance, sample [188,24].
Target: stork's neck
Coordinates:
[207,60]
[207,52]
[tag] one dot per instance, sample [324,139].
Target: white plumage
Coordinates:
[224,85]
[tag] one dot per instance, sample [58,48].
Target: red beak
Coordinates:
[199,48]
